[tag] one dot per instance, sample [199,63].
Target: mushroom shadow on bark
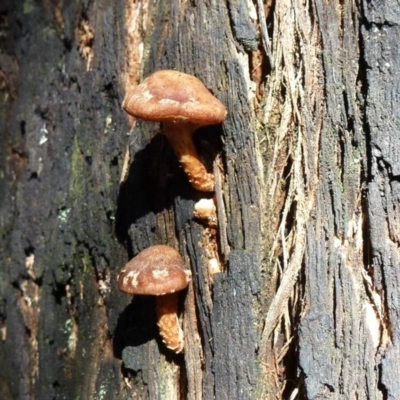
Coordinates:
[145,190]
[155,180]
[136,325]
[208,141]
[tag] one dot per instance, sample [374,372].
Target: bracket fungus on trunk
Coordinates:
[160,271]
[183,104]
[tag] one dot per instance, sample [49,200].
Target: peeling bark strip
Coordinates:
[292,112]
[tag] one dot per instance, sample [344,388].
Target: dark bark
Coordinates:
[63,211]
[61,142]
[307,189]
[349,336]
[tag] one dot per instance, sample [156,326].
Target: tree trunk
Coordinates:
[306,301]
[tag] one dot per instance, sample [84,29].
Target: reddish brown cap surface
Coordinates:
[172,96]
[156,270]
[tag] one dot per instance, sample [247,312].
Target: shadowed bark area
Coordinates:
[61,144]
[295,290]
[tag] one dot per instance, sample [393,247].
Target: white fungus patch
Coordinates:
[145,95]
[132,277]
[205,208]
[373,324]
[188,276]
[169,101]
[160,274]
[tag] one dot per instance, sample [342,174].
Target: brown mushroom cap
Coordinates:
[156,270]
[172,96]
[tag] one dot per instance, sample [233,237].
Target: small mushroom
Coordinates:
[183,104]
[160,271]
[206,210]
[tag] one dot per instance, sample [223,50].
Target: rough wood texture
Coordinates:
[307,186]
[61,142]
[379,34]
[64,70]
[349,335]
[325,107]
[233,322]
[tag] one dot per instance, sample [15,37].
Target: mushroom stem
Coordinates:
[170,331]
[181,140]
